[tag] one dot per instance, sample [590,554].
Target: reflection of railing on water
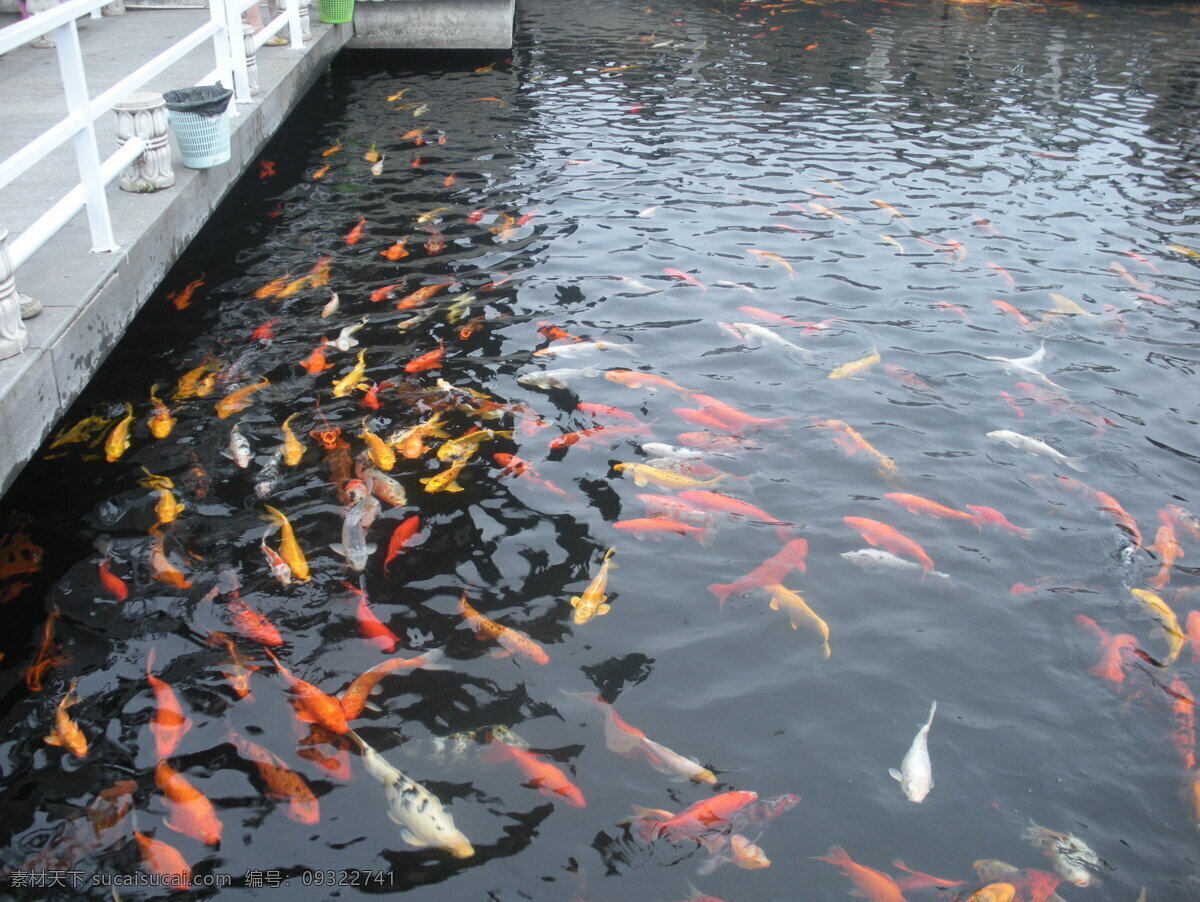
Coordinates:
[141,125]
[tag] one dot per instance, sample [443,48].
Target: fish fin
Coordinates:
[894,774]
[1076,464]
[408,836]
[713,844]
[371,706]
[371,549]
[338,548]
[603,609]
[433,659]
[575,600]
[652,813]
[498,652]
[52,739]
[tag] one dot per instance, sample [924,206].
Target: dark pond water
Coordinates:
[927,186]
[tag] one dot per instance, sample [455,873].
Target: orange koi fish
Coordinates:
[372,628]
[421,295]
[603,410]
[183,298]
[1192,627]
[354,698]
[110,582]
[110,806]
[543,776]
[993,517]
[312,705]
[160,422]
[240,399]
[163,570]
[435,243]
[1022,320]
[656,526]
[355,233]
[235,670]
[515,466]
[850,442]
[191,813]
[315,362]
[1108,505]
[1168,549]
[165,860]
[917,880]
[699,822]
[430,360]
[1183,712]
[1113,659]
[66,732]
[731,416]
[512,641]
[283,784]
[723,504]
[401,537]
[48,654]
[116,442]
[555,333]
[266,169]
[648,381]
[915,504]
[876,886]
[684,277]
[265,332]
[330,151]
[169,724]
[768,257]
[889,538]
[883,205]
[1000,271]
[397,251]
[769,572]
[272,288]
[322,172]
[253,625]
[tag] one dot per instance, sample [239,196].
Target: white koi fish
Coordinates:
[418,812]
[767,338]
[1027,365]
[359,516]
[1035,446]
[878,559]
[585,347]
[1073,859]
[239,449]
[547,379]
[916,771]
[344,341]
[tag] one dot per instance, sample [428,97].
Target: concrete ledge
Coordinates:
[90,299]
[433,25]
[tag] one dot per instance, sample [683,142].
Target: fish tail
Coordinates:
[722,592]
[836,855]
[1076,464]
[432,660]
[644,829]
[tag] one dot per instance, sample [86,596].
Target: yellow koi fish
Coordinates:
[161,422]
[1066,305]
[852,369]
[293,450]
[465,446]
[883,205]
[410,442]
[593,603]
[431,215]
[512,641]
[189,381]
[1168,621]
[239,399]
[86,430]
[798,612]
[167,508]
[1186,251]
[289,548]
[445,480]
[394,97]
[117,442]
[380,453]
[66,732]
[768,257]
[347,383]
[643,473]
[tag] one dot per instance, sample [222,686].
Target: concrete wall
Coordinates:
[433,24]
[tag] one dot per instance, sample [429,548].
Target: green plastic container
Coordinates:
[335,12]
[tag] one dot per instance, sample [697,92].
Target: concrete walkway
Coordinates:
[90,298]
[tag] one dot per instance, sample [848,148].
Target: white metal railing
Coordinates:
[229,47]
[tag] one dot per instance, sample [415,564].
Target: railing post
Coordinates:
[13,337]
[87,153]
[230,53]
[251,59]
[144,115]
[299,27]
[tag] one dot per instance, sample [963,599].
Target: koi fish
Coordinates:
[183,298]
[117,441]
[769,572]
[1168,549]
[283,784]
[110,582]
[1108,505]
[430,360]
[397,251]
[239,399]
[656,526]
[916,773]
[418,297]
[593,602]
[66,732]
[883,205]
[768,257]
[164,860]
[512,641]
[876,886]
[1000,271]
[684,277]
[543,776]
[852,369]
[191,813]
[350,381]
[631,742]
[1072,858]
[1022,320]
[648,381]
[46,657]
[889,538]
[289,548]
[354,698]
[915,504]
[798,613]
[163,570]
[236,670]
[724,504]
[642,474]
[1113,660]
[1031,445]
[419,814]
[253,625]
[1168,622]
[315,362]
[169,724]
[446,480]
[1183,713]
[702,822]
[515,466]
[160,422]
[355,234]
[401,537]
[330,151]
[311,704]
[373,630]
[435,243]
[321,172]
[993,517]
[1066,305]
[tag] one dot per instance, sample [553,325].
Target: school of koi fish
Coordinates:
[422,436]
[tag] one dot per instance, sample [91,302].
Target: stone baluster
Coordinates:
[145,115]
[305,22]
[251,59]
[13,337]
[116,8]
